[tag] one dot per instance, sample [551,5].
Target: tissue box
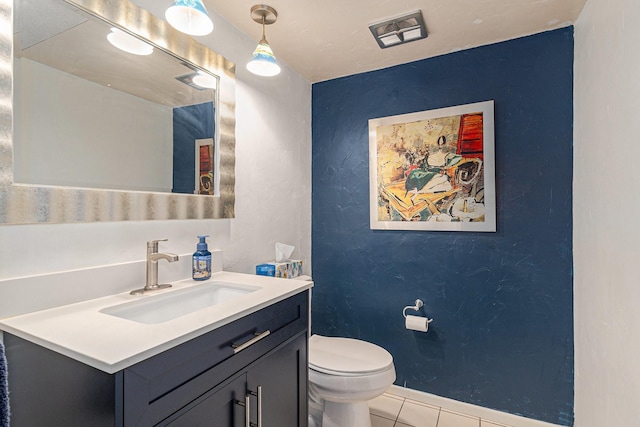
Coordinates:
[296,268]
[287,269]
[273,269]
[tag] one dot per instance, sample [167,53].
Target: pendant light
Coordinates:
[189,17]
[263,62]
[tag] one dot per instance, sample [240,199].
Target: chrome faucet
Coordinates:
[152,267]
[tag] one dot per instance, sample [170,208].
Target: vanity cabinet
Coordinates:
[255,366]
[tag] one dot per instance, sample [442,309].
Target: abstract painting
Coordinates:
[434,170]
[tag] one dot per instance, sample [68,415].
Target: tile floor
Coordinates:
[393,411]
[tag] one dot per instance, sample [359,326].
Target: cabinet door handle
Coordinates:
[258,336]
[247,410]
[259,406]
[259,396]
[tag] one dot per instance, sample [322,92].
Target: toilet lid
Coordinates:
[346,356]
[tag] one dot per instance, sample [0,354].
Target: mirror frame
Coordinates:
[32,204]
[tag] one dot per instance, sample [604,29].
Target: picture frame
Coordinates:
[434,170]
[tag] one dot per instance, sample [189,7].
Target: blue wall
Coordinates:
[189,123]
[502,302]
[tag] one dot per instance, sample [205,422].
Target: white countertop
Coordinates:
[110,343]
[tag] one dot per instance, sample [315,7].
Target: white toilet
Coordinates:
[344,374]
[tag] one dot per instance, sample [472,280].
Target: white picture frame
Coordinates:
[434,170]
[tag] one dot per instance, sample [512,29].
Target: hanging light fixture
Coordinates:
[189,17]
[263,62]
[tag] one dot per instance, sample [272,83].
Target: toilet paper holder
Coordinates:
[416,307]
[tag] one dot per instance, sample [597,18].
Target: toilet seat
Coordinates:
[347,357]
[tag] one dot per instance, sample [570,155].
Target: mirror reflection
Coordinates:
[92,111]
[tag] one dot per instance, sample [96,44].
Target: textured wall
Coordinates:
[502,302]
[607,90]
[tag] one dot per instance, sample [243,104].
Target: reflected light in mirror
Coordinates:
[128,43]
[190,17]
[205,80]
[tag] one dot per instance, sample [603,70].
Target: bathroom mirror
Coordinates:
[135,129]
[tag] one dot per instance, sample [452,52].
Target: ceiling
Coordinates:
[326,39]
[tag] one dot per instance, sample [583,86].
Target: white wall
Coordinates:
[606,203]
[273,188]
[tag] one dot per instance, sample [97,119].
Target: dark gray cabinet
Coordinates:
[258,361]
[269,388]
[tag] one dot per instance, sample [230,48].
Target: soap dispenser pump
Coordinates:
[202,260]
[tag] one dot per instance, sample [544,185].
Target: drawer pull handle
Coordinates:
[238,348]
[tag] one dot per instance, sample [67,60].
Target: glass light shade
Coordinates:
[263,62]
[128,43]
[189,17]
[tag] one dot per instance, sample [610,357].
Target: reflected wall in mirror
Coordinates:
[88,114]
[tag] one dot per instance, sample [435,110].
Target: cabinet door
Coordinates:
[281,377]
[217,408]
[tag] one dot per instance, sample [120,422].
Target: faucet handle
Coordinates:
[153,244]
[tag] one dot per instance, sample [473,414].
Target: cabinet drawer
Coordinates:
[163,384]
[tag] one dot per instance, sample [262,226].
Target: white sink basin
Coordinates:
[160,308]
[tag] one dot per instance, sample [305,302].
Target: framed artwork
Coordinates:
[434,170]
[204,166]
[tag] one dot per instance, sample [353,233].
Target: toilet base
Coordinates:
[346,414]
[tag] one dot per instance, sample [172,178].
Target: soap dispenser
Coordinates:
[202,260]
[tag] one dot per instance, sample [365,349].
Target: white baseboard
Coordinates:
[467,408]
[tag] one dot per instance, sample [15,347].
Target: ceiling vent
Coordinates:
[400,30]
